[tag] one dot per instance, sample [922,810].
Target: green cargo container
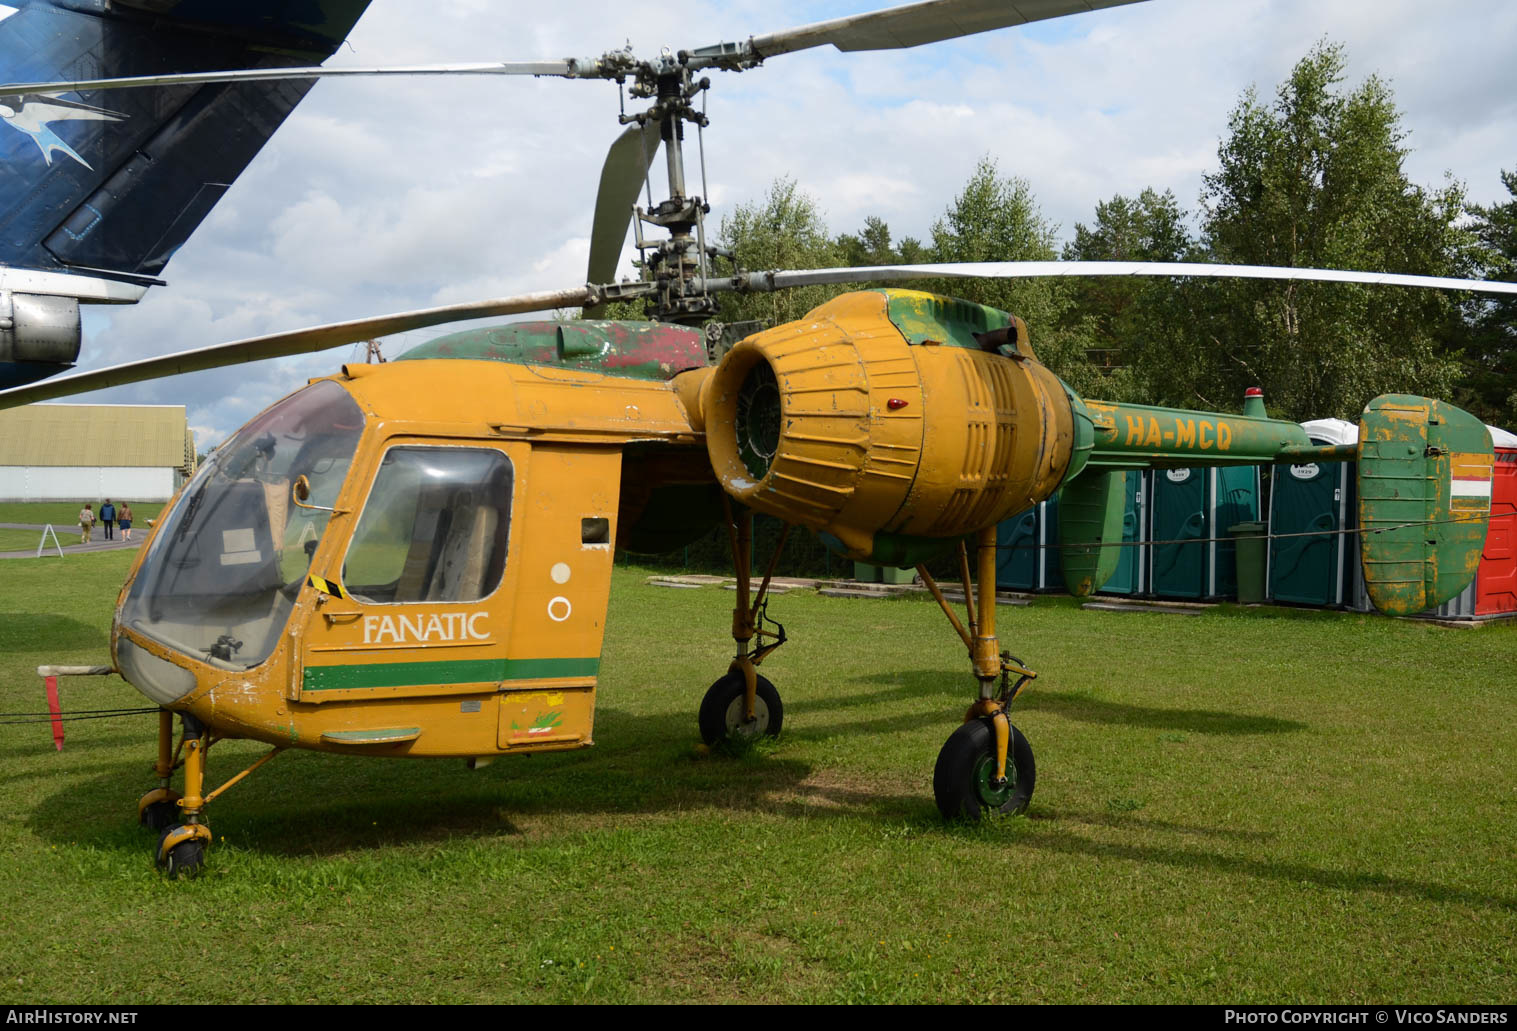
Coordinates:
[865,573]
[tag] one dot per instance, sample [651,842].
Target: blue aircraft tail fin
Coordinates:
[107,186]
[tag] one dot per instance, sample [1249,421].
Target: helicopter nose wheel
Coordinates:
[722,715]
[181,849]
[964,780]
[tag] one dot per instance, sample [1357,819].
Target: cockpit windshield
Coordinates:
[222,574]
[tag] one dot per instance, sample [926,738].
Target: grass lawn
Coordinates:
[65,514]
[1260,805]
[26,540]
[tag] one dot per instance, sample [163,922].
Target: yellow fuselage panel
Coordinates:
[511,671]
[530,398]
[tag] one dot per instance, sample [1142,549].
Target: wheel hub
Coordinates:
[737,726]
[991,793]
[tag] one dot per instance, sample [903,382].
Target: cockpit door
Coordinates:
[418,600]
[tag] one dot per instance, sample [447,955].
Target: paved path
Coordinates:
[68,536]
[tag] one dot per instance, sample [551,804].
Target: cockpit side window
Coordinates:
[435,527]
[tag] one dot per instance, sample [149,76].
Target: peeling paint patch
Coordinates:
[637,350]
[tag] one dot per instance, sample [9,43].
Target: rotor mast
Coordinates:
[677,266]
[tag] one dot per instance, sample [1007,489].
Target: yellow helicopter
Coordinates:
[412,559]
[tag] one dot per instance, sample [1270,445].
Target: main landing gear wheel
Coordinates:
[184,859]
[963,779]
[721,714]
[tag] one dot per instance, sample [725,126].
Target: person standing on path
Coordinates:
[108,518]
[125,521]
[86,523]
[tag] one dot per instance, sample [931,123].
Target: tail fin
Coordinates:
[1425,470]
[98,192]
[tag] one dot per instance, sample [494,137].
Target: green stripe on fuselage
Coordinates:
[463,671]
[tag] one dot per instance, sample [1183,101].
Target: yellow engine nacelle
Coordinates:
[882,416]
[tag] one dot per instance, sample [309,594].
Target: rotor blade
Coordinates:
[569,68]
[764,282]
[911,25]
[621,178]
[278,345]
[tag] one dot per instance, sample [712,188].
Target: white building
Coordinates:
[92,452]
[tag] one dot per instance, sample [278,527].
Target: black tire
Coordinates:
[961,780]
[183,860]
[721,715]
[161,815]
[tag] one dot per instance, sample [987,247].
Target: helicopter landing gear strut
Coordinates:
[744,705]
[184,836]
[157,810]
[987,764]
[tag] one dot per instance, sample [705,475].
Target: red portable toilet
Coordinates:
[1496,582]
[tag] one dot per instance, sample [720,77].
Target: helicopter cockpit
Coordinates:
[221,576]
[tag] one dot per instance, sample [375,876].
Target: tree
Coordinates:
[870,247]
[1316,180]
[1150,228]
[997,219]
[785,231]
[1489,388]
[1132,322]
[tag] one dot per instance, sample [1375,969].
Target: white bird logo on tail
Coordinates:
[32,112]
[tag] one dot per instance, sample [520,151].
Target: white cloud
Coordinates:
[387,194]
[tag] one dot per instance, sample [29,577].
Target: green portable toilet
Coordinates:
[1234,499]
[1310,561]
[1017,551]
[1027,553]
[1192,556]
[1177,526]
[1131,567]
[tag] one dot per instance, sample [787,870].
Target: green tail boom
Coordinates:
[1424,478]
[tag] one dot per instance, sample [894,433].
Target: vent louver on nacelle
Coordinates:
[838,423]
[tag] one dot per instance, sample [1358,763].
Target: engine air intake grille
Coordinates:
[758,419]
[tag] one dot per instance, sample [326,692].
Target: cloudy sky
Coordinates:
[383,195]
